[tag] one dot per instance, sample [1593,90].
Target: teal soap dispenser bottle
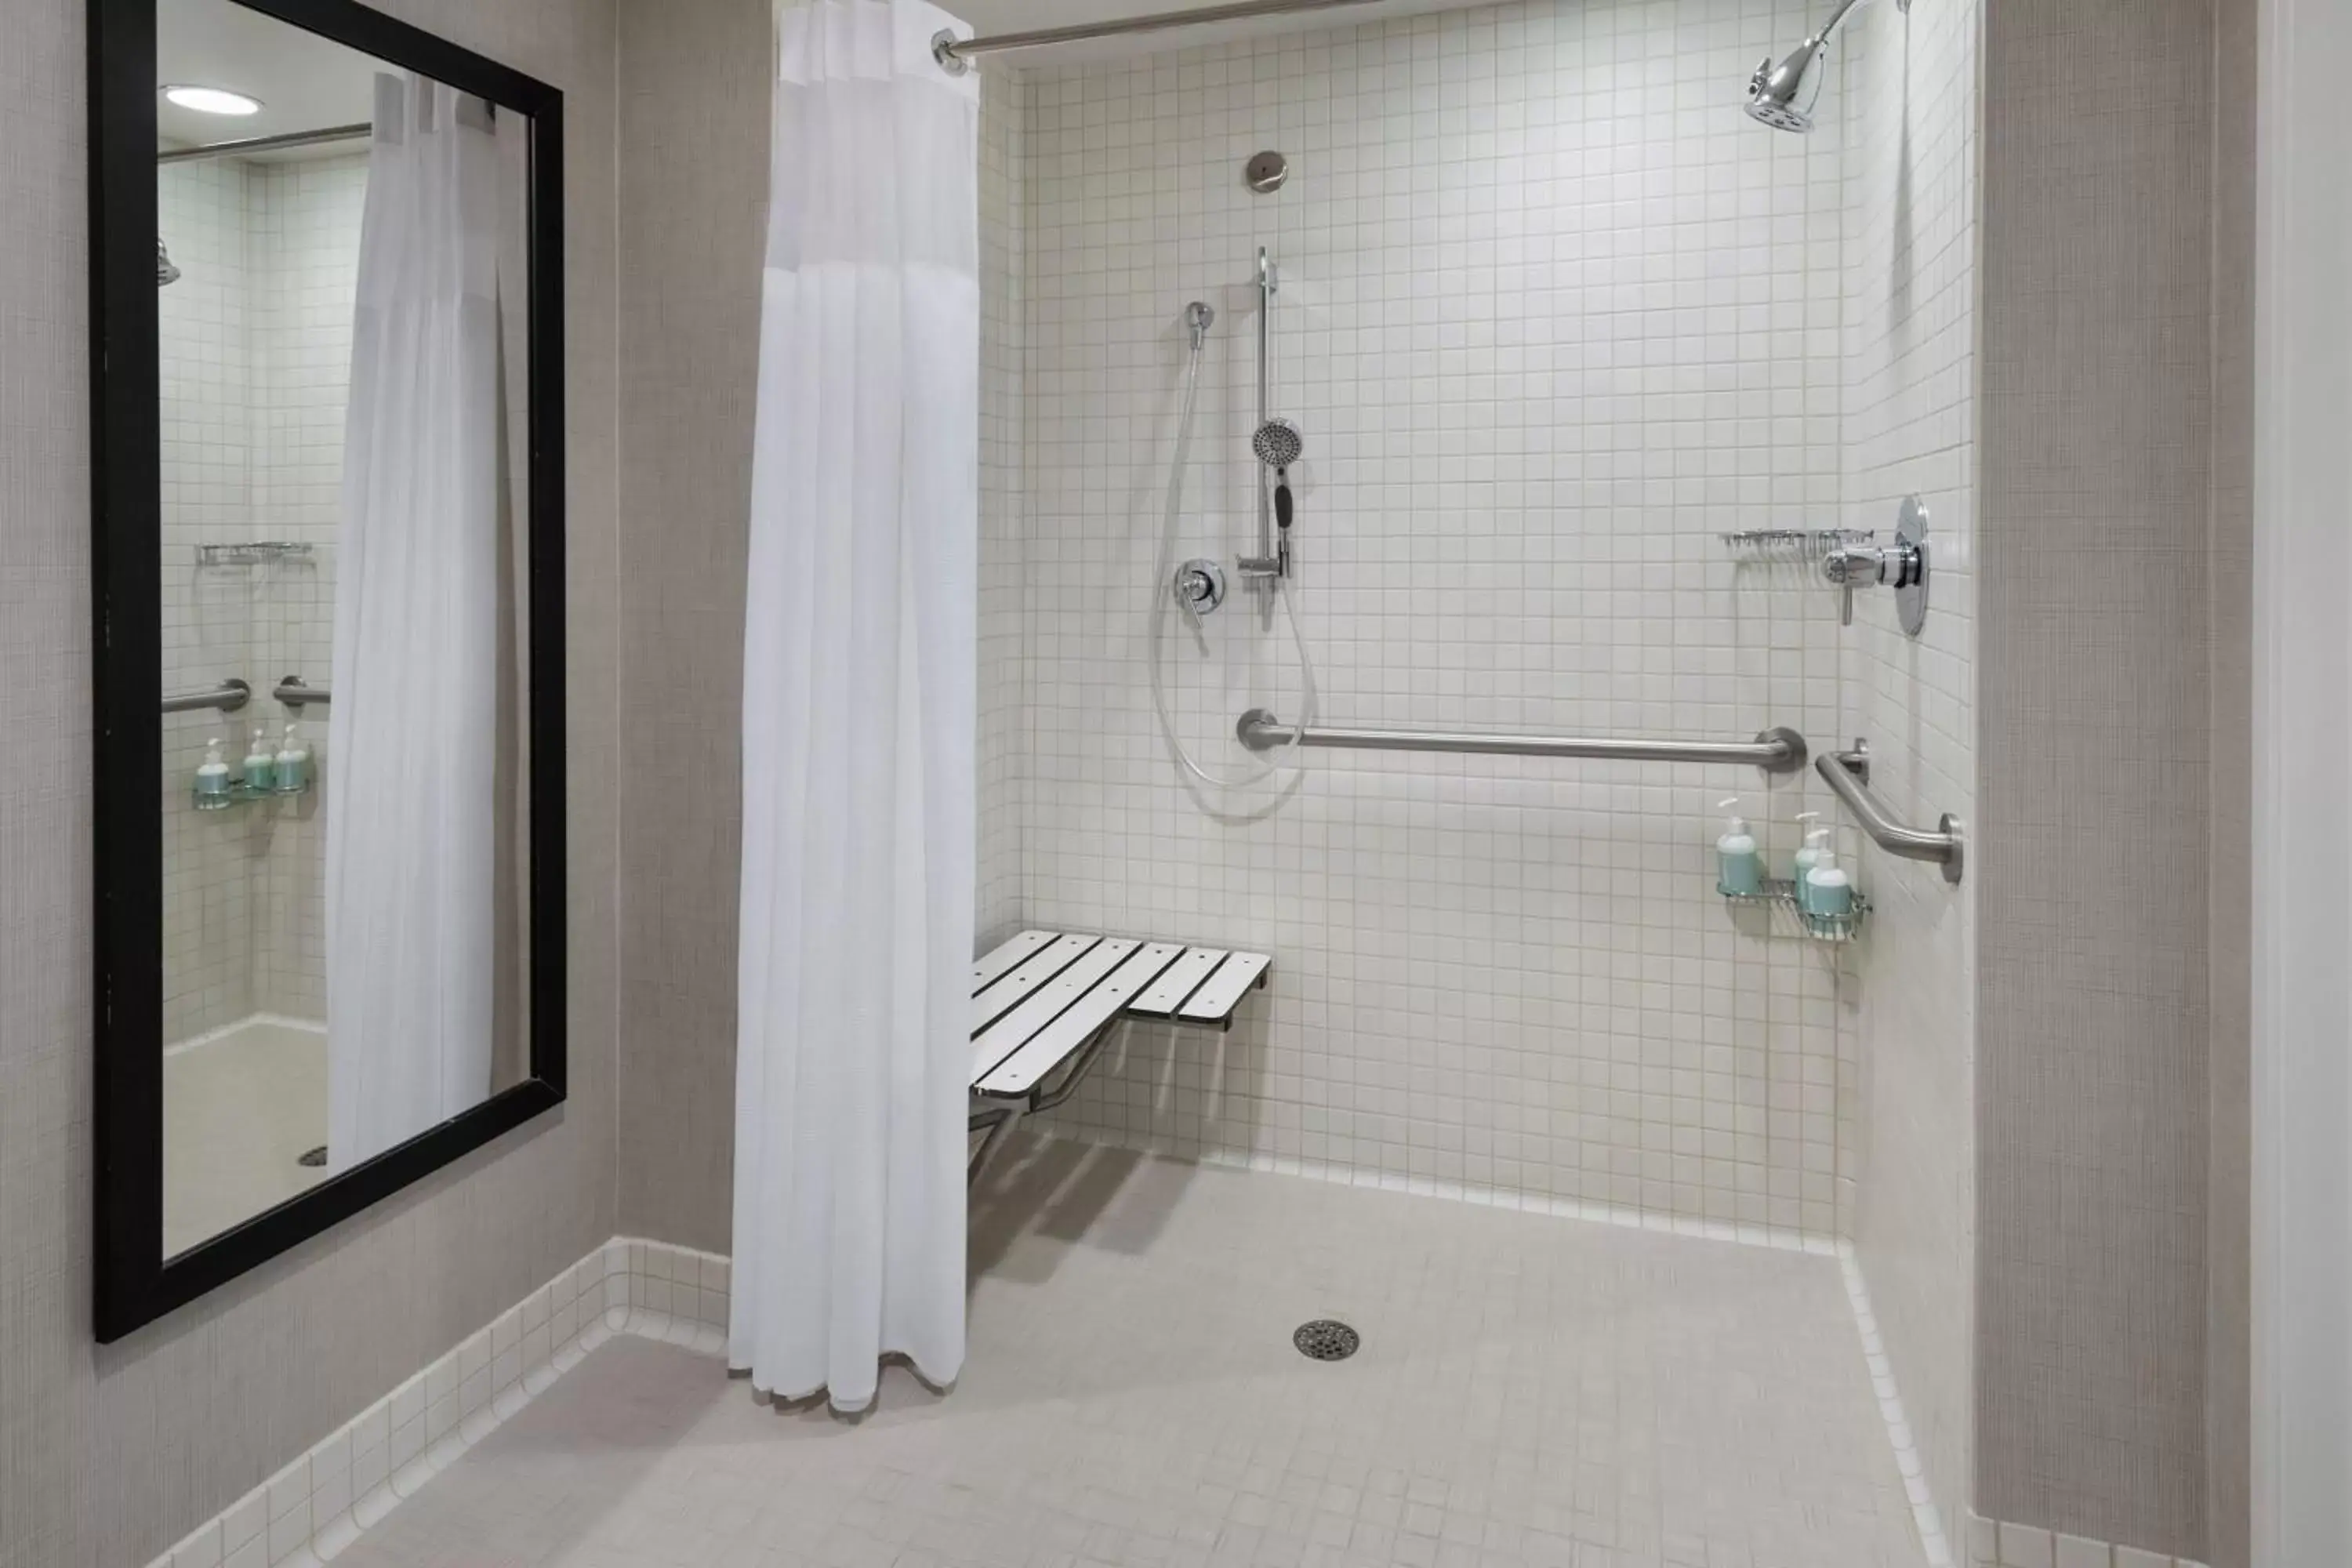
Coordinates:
[260,763]
[1829,896]
[212,792]
[1739,870]
[293,761]
[1816,839]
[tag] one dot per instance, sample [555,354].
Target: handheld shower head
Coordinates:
[1198,317]
[166,273]
[1278,443]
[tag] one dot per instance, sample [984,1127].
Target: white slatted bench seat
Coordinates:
[1044,1004]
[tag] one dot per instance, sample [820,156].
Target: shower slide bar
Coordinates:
[1848,773]
[1776,750]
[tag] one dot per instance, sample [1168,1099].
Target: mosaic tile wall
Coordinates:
[1554,314]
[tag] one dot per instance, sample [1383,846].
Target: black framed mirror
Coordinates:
[326,278]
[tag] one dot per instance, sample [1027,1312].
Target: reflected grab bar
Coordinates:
[228,697]
[1848,772]
[1776,750]
[294,694]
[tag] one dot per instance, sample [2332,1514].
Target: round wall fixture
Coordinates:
[1265,172]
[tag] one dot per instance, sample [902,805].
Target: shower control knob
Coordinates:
[1199,586]
[1901,565]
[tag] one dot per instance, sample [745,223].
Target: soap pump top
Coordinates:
[1816,840]
[1736,840]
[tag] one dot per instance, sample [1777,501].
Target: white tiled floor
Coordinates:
[1531,1390]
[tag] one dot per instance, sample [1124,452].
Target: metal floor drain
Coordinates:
[314,1157]
[1326,1339]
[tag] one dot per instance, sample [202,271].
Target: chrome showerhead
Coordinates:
[1278,443]
[1782,96]
[164,271]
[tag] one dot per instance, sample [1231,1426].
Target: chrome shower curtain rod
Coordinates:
[956,54]
[266,143]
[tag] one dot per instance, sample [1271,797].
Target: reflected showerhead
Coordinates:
[1278,443]
[164,271]
[1782,96]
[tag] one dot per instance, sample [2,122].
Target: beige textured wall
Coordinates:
[2229,1367]
[2096,744]
[694,176]
[106,1454]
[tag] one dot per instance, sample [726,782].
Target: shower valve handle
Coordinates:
[1902,564]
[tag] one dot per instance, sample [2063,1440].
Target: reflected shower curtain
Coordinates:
[411,844]
[852,1051]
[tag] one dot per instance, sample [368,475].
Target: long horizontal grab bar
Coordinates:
[1780,750]
[1848,773]
[228,697]
[294,694]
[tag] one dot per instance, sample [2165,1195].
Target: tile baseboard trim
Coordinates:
[311,1510]
[1658,1221]
[1995,1544]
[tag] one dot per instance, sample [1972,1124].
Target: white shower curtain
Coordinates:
[412,727]
[853,1047]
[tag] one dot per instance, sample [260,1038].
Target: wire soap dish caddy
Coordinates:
[1791,546]
[1786,917]
[260,553]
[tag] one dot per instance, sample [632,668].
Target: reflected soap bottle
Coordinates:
[260,763]
[293,761]
[212,792]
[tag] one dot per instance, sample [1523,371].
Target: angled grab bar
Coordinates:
[1848,773]
[1778,750]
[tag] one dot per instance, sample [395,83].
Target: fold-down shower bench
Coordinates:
[1044,1004]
